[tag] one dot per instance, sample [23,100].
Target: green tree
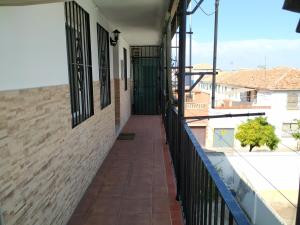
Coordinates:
[296,134]
[257,132]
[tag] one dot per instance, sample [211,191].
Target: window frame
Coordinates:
[292,105]
[125,55]
[78,40]
[104,66]
[189,98]
[288,133]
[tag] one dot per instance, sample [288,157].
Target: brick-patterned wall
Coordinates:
[45,165]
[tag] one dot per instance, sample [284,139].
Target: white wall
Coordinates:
[33,46]
[116,55]
[97,17]
[125,103]
[258,192]
[267,164]
[33,53]
[263,97]
[277,115]
[228,122]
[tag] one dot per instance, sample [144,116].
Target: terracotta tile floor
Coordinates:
[135,184]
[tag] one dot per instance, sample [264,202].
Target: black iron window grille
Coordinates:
[79,61]
[104,66]
[145,51]
[125,67]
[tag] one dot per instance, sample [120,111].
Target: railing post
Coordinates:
[169,63]
[298,207]
[181,83]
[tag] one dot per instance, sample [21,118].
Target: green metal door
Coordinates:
[146,86]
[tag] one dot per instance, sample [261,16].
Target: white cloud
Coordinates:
[249,53]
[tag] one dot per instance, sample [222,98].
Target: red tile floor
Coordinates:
[135,184]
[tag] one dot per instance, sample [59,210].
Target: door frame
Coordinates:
[146,52]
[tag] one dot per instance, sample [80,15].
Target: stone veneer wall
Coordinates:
[45,165]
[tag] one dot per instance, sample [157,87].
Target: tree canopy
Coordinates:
[296,134]
[257,132]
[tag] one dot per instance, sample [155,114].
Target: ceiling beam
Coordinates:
[173,8]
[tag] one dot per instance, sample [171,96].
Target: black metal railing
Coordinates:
[204,197]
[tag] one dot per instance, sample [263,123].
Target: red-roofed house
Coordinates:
[273,91]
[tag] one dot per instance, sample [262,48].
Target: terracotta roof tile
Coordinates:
[280,78]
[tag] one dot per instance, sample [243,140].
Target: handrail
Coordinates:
[234,208]
[202,193]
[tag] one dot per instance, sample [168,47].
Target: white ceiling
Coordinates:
[140,21]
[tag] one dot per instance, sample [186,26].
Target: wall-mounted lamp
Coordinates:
[114,41]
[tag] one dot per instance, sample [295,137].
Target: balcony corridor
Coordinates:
[135,184]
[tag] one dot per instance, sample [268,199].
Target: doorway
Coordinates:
[146,85]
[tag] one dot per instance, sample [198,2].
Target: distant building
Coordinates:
[273,91]
[197,104]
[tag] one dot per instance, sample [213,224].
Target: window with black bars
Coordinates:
[125,67]
[80,64]
[104,66]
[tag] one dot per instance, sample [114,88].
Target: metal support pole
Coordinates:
[182,54]
[224,116]
[190,58]
[181,82]
[213,90]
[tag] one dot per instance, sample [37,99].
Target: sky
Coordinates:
[251,34]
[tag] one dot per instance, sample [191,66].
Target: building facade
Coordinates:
[275,92]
